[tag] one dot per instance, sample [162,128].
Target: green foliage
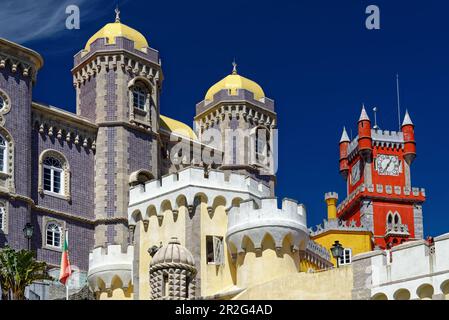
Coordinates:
[19,269]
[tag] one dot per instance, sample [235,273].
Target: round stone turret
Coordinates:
[264,241]
[172,272]
[110,272]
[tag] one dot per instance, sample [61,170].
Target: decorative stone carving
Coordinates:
[172,272]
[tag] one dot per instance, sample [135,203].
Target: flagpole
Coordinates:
[67,281]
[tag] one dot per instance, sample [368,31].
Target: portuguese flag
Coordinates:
[66,269]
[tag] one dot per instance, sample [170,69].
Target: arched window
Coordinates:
[140,97]
[2,218]
[5,105]
[3,155]
[389,220]
[53,175]
[54,233]
[6,156]
[397,219]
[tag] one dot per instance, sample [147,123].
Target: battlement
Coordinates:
[101,45]
[331,195]
[407,267]
[255,222]
[379,190]
[336,224]
[107,265]
[382,138]
[387,136]
[190,183]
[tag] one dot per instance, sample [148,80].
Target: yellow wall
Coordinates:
[358,241]
[254,268]
[154,236]
[334,284]
[250,270]
[306,265]
[215,278]
[117,294]
[331,208]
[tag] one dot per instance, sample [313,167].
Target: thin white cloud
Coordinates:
[22,21]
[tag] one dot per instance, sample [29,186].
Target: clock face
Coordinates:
[388,165]
[355,173]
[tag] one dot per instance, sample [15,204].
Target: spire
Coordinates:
[117,15]
[407,119]
[234,67]
[344,136]
[363,114]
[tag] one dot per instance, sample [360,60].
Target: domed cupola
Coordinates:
[246,118]
[172,272]
[118,29]
[233,83]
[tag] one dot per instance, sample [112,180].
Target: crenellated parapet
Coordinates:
[103,56]
[256,222]
[412,270]
[253,115]
[110,268]
[381,191]
[187,187]
[336,225]
[380,138]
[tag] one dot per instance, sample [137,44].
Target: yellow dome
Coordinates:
[117,29]
[177,127]
[233,82]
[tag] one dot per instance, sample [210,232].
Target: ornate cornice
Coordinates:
[20,59]
[137,67]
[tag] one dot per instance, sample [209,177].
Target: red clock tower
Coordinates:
[376,166]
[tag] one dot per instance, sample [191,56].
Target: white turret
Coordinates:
[265,240]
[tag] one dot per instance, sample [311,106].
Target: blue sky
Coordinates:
[315,58]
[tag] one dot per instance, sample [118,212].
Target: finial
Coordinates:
[375,118]
[117,14]
[234,67]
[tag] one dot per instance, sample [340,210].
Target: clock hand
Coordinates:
[388,165]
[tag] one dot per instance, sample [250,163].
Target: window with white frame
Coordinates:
[140,96]
[2,218]
[3,154]
[54,233]
[53,175]
[347,257]
[214,250]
